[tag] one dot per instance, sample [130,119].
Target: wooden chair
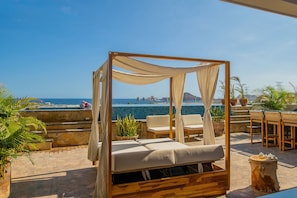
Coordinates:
[193,124]
[272,119]
[289,119]
[256,122]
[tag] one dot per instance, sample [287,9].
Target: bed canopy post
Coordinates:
[109,74]
[227,118]
[170,110]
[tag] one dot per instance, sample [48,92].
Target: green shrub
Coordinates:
[127,126]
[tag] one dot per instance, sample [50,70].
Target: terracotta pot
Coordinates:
[233,101]
[5,182]
[218,127]
[243,101]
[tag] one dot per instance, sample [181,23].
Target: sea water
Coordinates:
[139,108]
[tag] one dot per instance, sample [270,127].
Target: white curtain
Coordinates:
[103,168]
[140,67]
[178,95]
[94,136]
[207,81]
[138,79]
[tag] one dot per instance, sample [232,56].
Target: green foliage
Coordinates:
[127,126]
[232,89]
[273,98]
[295,91]
[239,86]
[217,113]
[222,87]
[15,135]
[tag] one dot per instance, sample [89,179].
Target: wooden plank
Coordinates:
[199,184]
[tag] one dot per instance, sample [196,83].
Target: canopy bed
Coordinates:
[133,70]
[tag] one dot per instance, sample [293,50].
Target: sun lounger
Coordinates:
[158,125]
[193,124]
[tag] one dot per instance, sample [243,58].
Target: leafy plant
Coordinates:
[127,126]
[232,89]
[240,87]
[217,113]
[273,98]
[222,87]
[15,130]
[295,91]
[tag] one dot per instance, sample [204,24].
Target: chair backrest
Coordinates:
[192,119]
[257,115]
[289,117]
[272,116]
[157,121]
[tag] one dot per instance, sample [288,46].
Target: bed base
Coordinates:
[207,184]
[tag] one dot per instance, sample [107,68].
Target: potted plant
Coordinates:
[15,134]
[127,127]
[218,115]
[241,89]
[222,87]
[233,99]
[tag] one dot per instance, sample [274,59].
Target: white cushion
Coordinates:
[155,140]
[201,153]
[165,145]
[160,129]
[193,127]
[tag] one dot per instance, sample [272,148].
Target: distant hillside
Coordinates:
[188,96]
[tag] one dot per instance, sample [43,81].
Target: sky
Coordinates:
[49,48]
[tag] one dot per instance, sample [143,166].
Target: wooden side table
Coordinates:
[263,173]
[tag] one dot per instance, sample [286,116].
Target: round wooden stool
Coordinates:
[263,173]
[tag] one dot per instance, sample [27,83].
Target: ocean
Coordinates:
[116,101]
[138,107]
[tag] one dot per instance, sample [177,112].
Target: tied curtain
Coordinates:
[142,73]
[207,81]
[177,92]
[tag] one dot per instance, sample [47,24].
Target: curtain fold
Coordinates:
[101,186]
[138,79]
[94,135]
[177,94]
[144,68]
[207,81]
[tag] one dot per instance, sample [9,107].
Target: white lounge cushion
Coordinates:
[194,126]
[131,155]
[155,140]
[144,154]
[160,129]
[126,146]
[139,160]
[165,145]
[201,153]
